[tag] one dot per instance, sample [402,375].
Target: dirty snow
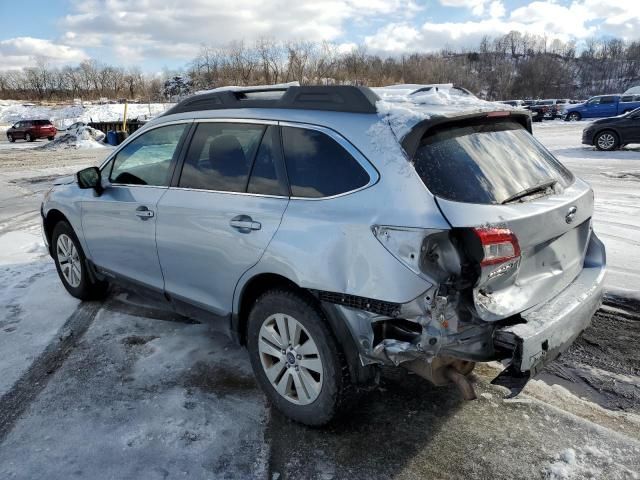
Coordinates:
[79,137]
[33,303]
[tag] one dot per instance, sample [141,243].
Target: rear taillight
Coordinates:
[499,245]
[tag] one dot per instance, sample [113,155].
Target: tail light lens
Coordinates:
[499,245]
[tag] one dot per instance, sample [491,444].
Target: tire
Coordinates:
[50,138]
[573,117]
[28,137]
[73,273]
[325,387]
[11,138]
[607,141]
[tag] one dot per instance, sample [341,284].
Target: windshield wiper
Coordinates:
[541,187]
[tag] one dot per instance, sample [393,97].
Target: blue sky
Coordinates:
[153,34]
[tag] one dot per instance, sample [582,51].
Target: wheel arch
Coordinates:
[49,222]
[262,282]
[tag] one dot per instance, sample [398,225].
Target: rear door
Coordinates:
[608,106]
[493,176]
[221,211]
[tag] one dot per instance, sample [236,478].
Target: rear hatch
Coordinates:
[523,218]
[44,127]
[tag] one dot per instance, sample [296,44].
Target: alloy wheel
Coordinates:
[606,141]
[290,359]
[69,260]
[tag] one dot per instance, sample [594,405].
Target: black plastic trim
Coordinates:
[342,98]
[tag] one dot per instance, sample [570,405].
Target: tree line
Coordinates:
[514,65]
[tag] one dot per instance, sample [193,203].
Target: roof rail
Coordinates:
[341,98]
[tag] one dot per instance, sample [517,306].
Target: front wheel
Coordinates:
[297,359]
[607,141]
[72,266]
[10,138]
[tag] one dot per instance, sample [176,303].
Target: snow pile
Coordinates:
[65,115]
[80,137]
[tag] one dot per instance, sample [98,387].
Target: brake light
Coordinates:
[499,245]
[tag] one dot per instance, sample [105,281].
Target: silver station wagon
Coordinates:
[334,231]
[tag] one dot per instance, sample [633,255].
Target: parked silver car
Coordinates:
[333,237]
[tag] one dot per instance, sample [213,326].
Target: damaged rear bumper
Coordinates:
[550,329]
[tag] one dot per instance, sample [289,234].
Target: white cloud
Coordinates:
[20,52]
[175,30]
[477,7]
[394,38]
[496,9]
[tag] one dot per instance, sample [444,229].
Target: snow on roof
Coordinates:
[403,108]
[633,90]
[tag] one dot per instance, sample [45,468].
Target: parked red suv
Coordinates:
[30,130]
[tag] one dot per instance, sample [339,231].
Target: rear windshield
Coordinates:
[485,162]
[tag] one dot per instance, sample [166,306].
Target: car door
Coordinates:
[119,226]
[608,106]
[632,128]
[21,130]
[220,213]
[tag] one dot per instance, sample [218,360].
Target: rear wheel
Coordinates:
[28,137]
[50,138]
[296,358]
[10,138]
[71,264]
[607,141]
[574,117]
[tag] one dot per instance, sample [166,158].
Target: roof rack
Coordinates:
[342,98]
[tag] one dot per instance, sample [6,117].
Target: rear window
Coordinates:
[485,162]
[41,122]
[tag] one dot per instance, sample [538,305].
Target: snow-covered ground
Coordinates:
[125,389]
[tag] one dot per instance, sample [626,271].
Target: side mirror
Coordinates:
[90,178]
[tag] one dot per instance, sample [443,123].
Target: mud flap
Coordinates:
[512,379]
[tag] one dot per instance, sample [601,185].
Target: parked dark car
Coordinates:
[31,130]
[615,132]
[549,108]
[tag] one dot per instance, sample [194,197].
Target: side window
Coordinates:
[594,101]
[628,98]
[318,166]
[220,156]
[146,160]
[607,99]
[264,175]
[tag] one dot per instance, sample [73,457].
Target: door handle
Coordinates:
[144,213]
[244,223]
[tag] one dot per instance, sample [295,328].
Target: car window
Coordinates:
[628,98]
[609,99]
[317,166]
[485,163]
[264,174]
[220,155]
[594,101]
[147,159]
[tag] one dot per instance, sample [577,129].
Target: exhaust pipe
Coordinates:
[462,382]
[443,371]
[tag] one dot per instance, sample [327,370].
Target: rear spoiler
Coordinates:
[411,141]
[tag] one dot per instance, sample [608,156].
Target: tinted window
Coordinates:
[317,166]
[220,156]
[146,160]
[628,98]
[41,122]
[607,100]
[485,162]
[264,176]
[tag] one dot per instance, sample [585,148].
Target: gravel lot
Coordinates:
[126,389]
